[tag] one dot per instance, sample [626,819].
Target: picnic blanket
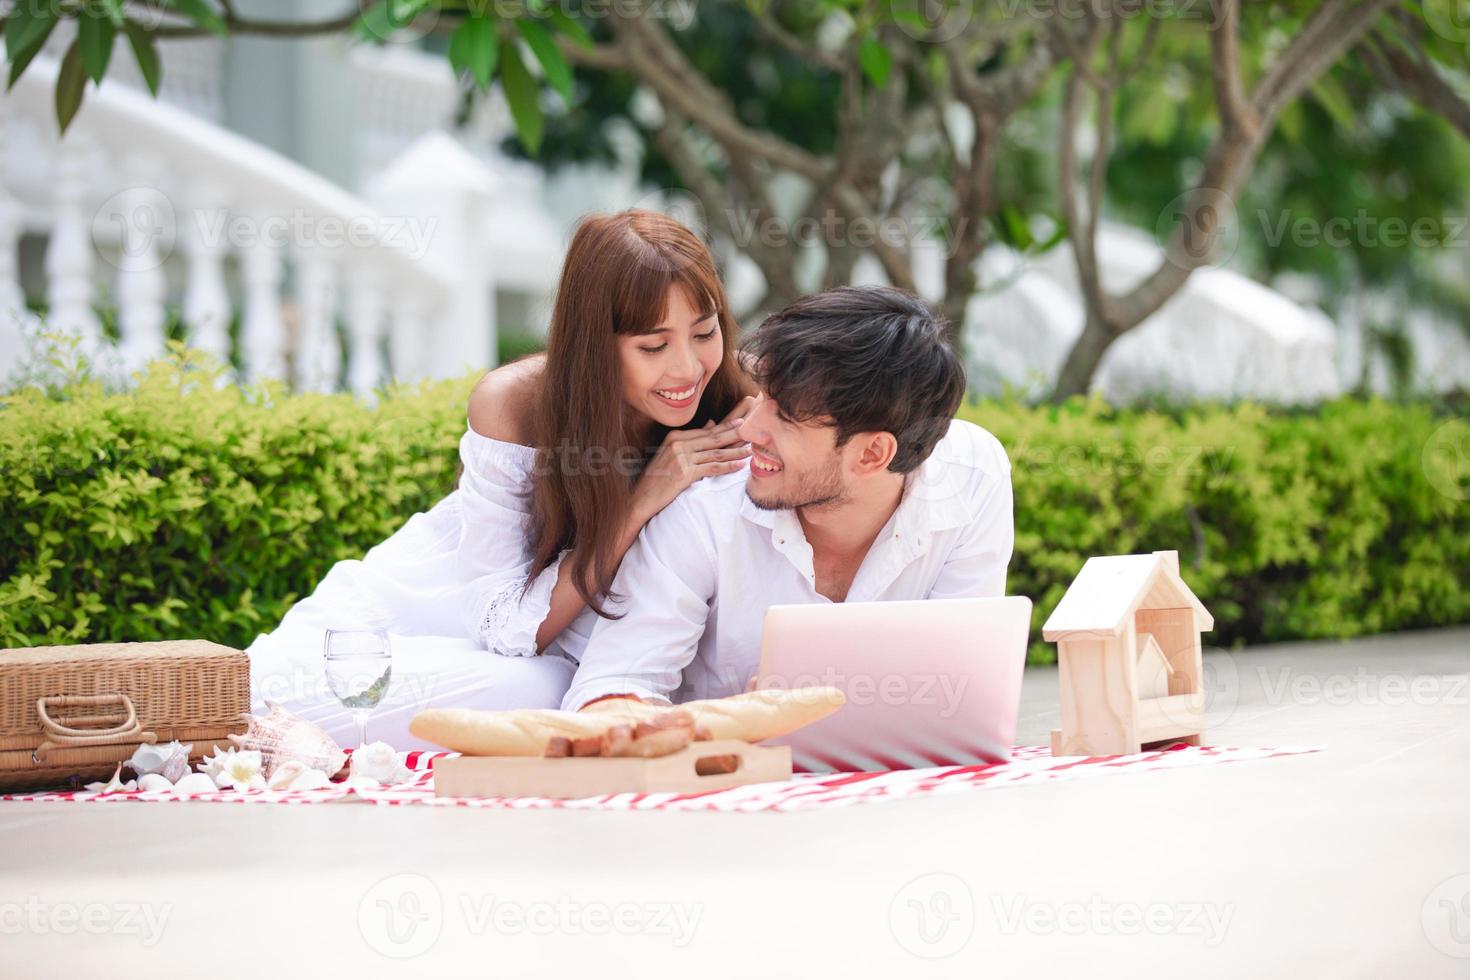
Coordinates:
[1028,764]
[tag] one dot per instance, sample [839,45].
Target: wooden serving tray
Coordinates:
[700,767]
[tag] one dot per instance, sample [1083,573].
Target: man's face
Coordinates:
[792,464]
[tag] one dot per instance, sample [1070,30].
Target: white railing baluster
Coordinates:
[206,307]
[364,331]
[69,254]
[146,218]
[408,337]
[14,317]
[318,354]
[262,332]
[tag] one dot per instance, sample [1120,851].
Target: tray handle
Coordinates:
[60,735]
[718,762]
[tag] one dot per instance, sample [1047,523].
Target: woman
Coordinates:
[566,456]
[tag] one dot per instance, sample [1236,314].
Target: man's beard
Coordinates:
[814,489]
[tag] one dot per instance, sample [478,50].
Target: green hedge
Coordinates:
[1351,519]
[183,508]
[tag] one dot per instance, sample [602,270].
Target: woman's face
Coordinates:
[665,372]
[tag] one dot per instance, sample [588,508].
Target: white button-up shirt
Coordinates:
[695,586]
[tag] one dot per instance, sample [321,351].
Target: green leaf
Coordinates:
[26,29]
[474,48]
[379,21]
[202,14]
[71,83]
[875,60]
[1289,123]
[114,11]
[27,25]
[1013,229]
[543,46]
[1330,93]
[374,23]
[571,28]
[523,95]
[145,50]
[95,35]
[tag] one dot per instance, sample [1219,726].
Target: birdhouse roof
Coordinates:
[1108,591]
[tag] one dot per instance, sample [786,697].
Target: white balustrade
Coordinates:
[69,284]
[206,307]
[318,354]
[365,312]
[262,330]
[140,283]
[147,186]
[14,317]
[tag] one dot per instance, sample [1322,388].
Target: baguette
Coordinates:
[523,732]
[751,717]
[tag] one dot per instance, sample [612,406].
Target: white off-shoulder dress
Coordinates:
[450,588]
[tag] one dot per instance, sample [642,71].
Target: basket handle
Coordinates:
[59,735]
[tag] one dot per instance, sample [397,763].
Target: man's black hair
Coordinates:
[870,359]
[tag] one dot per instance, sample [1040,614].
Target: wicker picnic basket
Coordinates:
[69,714]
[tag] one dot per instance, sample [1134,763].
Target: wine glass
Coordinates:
[359,669]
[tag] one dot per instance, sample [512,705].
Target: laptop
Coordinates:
[932,682]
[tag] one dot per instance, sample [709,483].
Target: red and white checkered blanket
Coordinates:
[1029,764]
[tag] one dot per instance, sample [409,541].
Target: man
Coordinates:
[861,487]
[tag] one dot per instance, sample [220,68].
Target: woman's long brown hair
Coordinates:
[616,280]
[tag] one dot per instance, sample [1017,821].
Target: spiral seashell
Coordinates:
[282,737]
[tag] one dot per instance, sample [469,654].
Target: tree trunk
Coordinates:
[1083,359]
[953,309]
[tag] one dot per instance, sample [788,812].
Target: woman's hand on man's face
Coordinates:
[687,456]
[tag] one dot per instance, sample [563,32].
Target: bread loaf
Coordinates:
[751,717]
[522,732]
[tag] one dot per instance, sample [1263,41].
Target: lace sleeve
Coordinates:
[495,555]
[504,614]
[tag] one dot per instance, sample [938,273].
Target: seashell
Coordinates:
[152,782]
[210,765]
[170,761]
[113,785]
[297,776]
[195,782]
[281,737]
[378,760]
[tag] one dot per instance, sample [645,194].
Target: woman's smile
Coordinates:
[680,397]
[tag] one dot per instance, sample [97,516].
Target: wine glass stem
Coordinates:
[361,717]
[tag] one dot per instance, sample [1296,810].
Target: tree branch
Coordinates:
[659,63]
[1417,79]
[1331,30]
[772,28]
[721,209]
[263,27]
[1235,109]
[1081,230]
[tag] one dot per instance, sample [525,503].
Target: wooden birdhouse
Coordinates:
[1128,654]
